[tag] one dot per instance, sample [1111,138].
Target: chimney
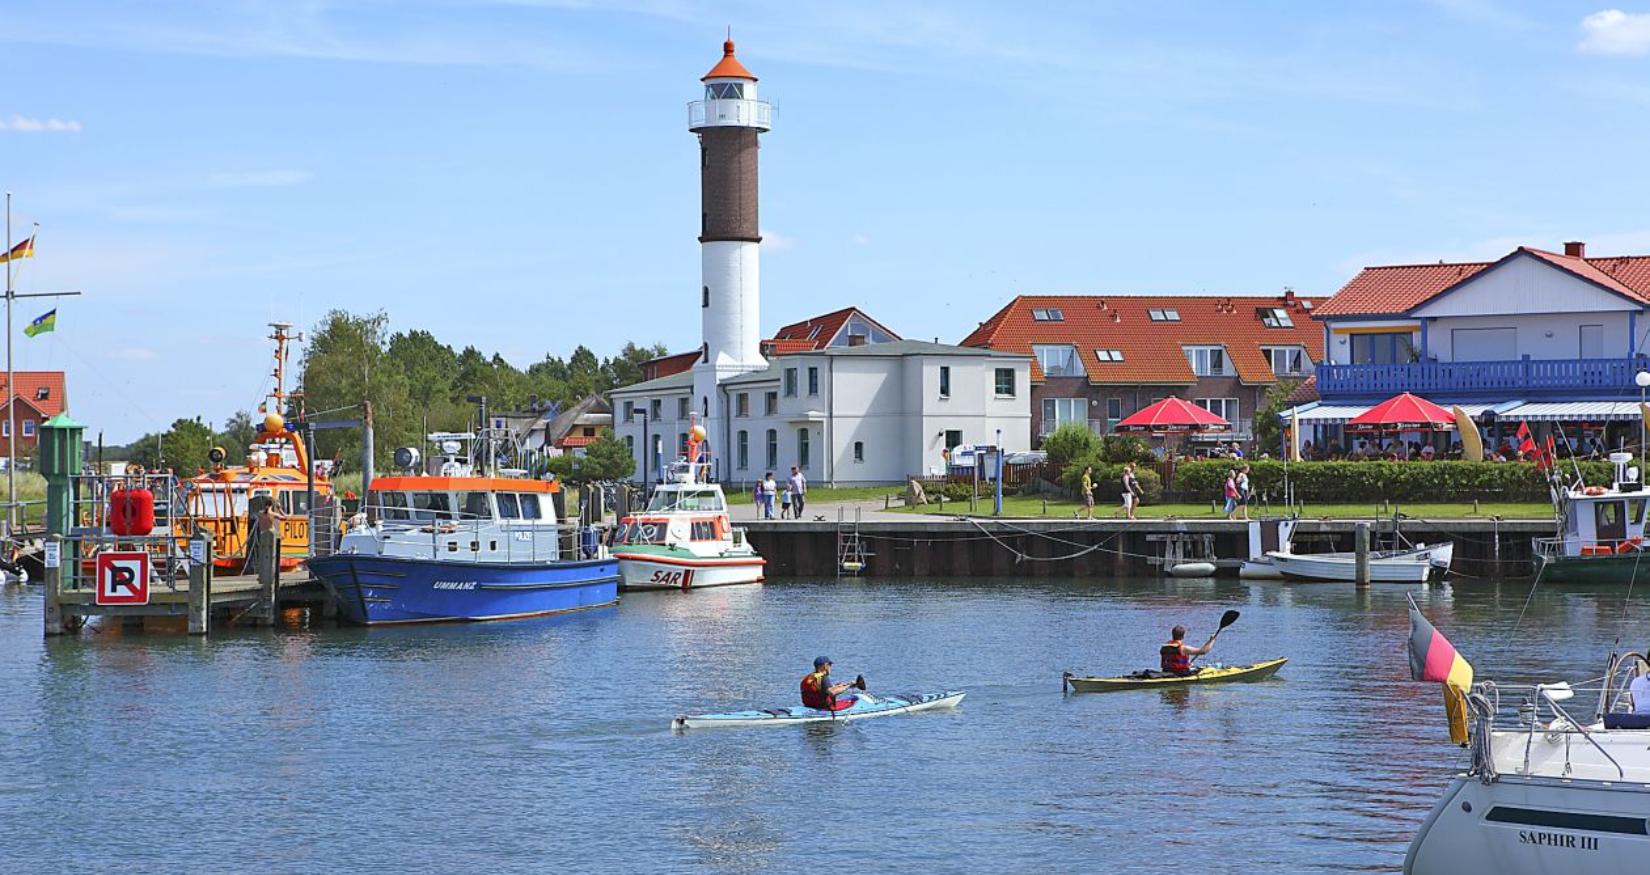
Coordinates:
[1575,249]
[1288,297]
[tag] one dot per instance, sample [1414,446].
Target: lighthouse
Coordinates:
[728,121]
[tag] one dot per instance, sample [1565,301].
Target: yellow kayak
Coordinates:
[1149,680]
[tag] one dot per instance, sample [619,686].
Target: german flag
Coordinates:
[1433,658]
[21,250]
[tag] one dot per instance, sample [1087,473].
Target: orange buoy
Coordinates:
[132,511]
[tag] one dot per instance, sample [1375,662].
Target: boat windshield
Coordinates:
[642,533]
[220,501]
[686,499]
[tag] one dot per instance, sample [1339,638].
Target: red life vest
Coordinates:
[1174,659]
[815,694]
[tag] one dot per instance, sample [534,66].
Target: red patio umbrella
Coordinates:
[1173,416]
[1404,412]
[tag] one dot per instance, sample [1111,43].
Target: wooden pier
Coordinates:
[205,598]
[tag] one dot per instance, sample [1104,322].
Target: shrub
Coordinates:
[1119,448]
[1329,482]
[1108,480]
[1068,443]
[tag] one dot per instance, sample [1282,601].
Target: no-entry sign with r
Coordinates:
[123,578]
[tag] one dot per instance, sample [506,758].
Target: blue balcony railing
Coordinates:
[1495,380]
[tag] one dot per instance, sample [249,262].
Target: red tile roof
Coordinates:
[1153,351]
[729,67]
[577,440]
[1394,290]
[821,329]
[775,348]
[29,384]
[666,365]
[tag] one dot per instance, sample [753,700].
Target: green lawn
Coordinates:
[823,493]
[1033,506]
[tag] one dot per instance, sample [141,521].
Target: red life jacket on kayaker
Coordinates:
[815,694]
[1174,659]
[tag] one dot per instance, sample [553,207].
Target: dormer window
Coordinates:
[725,91]
[1164,315]
[1276,317]
[1109,355]
[1049,314]
[42,393]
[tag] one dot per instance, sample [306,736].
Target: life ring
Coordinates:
[1593,490]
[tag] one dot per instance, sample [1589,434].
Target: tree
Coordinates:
[430,365]
[237,434]
[1069,443]
[606,459]
[346,364]
[626,367]
[1268,428]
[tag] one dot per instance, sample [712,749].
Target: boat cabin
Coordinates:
[1605,521]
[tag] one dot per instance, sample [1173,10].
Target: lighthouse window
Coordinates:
[704,300]
[725,91]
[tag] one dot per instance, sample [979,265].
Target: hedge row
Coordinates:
[1108,482]
[1327,482]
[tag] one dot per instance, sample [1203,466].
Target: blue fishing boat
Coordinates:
[458,545]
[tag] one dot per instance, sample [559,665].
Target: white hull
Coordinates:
[1259,569]
[1534,826]
[637,573]
[1414,566]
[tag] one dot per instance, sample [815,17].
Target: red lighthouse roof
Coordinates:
[729,67]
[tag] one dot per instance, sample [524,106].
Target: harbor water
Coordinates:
[544,745]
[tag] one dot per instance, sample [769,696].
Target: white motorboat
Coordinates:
[1547,792]
[685,539]
[1417,564]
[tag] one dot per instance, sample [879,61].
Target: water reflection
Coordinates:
[545,744]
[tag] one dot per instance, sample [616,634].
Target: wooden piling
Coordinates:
[200,584]
[1361,547]
[54,587]
[269,571]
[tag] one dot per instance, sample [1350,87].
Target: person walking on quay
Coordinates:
[799,490]
[1230,491]
[769,488]
[1131,490]
[1088,492]
[785,501]
[761,501]
[1243,490]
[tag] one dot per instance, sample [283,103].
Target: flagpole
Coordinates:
[11,392]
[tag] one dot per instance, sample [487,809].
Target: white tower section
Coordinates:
[728,121]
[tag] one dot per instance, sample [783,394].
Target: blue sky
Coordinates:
[517,174]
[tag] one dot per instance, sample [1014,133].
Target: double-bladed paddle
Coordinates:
[1226,619]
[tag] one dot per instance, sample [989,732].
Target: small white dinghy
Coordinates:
[1416,565]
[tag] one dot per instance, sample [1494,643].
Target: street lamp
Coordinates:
[1642,380]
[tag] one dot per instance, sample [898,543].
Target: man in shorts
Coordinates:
[1088,492]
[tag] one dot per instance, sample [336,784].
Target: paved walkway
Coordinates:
[870,511]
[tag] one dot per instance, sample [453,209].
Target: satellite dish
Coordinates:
[406,457]
[450,447]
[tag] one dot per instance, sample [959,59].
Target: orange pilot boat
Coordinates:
[219,501]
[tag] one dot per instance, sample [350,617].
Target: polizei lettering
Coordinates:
[1557,840]
[453,584]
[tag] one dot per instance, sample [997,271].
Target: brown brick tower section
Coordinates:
[727,179]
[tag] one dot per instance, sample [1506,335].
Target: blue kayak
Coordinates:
[865,705]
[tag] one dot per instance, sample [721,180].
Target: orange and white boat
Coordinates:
[219,501]
[684,539]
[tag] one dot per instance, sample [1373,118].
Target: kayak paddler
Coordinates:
[1176,655]
[819,693]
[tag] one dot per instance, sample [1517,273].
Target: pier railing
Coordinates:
[459,536]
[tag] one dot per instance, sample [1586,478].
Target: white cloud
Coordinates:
[259,179]
[24,125]
[859,239]
[1614,32]
[773,241]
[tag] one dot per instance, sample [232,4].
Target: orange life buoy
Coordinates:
[1593,490]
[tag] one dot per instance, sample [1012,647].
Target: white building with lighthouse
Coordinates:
[858,411]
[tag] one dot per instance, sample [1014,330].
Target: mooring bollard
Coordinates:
[1360,537]
[269,569]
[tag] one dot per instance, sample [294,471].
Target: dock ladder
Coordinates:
[850,550]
